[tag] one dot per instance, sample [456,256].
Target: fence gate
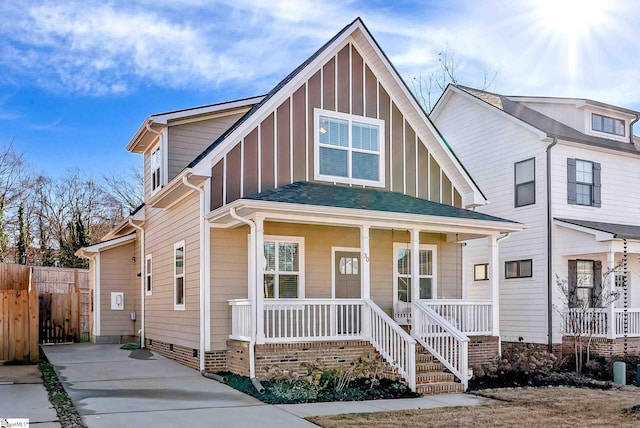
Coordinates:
[59,317]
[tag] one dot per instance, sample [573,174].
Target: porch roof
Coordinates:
[307,193]
[314,203]
[618,231]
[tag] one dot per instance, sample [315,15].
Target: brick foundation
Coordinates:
[483,349]
[603,346]
[237,357]
[215,361]
[181,354]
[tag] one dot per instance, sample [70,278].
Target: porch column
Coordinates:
[494,284]
[259,290]
[609,290]
[415,279]
[365,260]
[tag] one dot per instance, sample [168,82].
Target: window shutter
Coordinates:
[597,284]
[571,181]
[573,283]
[597,185]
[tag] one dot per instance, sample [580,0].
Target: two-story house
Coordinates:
[314,222]
[568,169]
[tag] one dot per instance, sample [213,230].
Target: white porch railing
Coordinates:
[300,320]
[585,322]
[394,344]
[633,322]
[240,319]
[445,342]
[472,318]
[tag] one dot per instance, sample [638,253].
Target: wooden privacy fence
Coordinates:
[18,314]
[65,304]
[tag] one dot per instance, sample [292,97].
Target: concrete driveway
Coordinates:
[22,395]
[109,388]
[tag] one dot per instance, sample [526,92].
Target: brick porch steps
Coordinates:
[432,377]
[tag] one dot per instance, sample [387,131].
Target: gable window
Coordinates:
[283,260]
[178,276]
[518,269]
[426,274]
[584,183]
[525,182]
[155,168]
[481,272]
[585,283]
[148,281]
[349,149]
[607,124]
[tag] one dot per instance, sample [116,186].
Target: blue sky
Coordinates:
[77,78]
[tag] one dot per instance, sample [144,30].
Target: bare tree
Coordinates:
[582,319]
[429,84]
[126,188]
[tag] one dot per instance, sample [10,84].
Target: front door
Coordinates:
[347,274]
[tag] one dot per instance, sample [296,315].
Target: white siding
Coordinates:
[488,144]
[564,113]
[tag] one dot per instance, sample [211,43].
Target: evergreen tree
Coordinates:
[21,245]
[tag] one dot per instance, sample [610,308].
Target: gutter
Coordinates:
[143,291]
[252,290]
[549,251]
[631,130]
[203,294]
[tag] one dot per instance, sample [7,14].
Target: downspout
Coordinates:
[143,291]
[631,129]
[252,285]
[549,251]
[203,295]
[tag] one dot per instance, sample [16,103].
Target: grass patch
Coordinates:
[58,397]
[518,407]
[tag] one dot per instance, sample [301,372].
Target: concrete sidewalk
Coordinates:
[22,395]
[111,389]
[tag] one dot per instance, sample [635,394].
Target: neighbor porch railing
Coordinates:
[302,320]
[445,342]
[472,318]
[585,322]
[633,322]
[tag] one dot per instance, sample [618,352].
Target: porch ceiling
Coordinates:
[353,207]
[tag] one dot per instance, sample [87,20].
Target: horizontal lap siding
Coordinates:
[345,83]
[118,273]
[163,228]
[488,144]
[187,141]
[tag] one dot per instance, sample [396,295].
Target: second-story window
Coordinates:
[525,182]
[584,183]
[607,124]
[349,149]
[156,161]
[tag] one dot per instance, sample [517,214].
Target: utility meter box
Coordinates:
[117,301]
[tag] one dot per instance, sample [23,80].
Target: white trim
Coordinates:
[164,156]
[278,239]
[177,306]
[259,130]
[291,139]
[96,291]
[306,125]
[148,274]
[241,168]
[106,245]
[434,271]
[333,265]
[350,118]
[275,148]
[156,148]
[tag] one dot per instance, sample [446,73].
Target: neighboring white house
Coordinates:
[569,170]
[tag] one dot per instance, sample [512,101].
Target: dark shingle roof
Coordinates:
[550,126]
[307,193]
[621,231]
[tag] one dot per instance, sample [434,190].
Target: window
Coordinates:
[584,283]
[348,265]
[155,168]
[426,274]
[349,149]
[584,183]
[525,182]
[518,269]
[148,283]
[178,276]
[607,124]
[481,272]
[283,268]
[620,285]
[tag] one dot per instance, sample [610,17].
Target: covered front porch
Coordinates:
[601,299]
[326,273]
